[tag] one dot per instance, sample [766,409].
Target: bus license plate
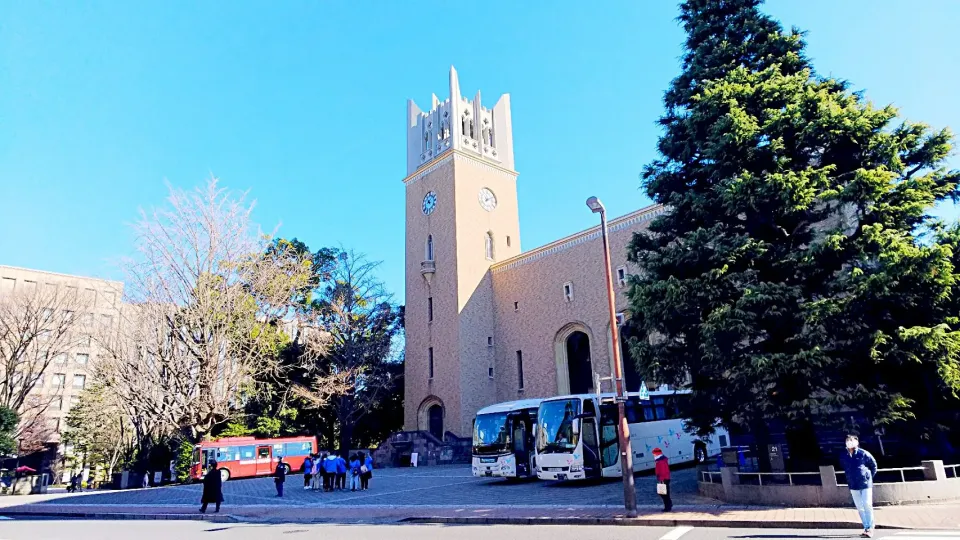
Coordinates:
[561,477]
[489,473]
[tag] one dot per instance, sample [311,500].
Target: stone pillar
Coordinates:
[933,470]
[729,477]
[828,477]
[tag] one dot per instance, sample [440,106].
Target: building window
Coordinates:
[490,372]
[60,358]
[82,358]
[56,423]
[508,240]
[71,293]
[79,381]
[86,340]
[622,276]
[107,321]
[90,297]
[30,288]
[488,246]
[516,306]
[39,383]
[47,313]
[519,370]
[111,298]
[430,309]
[7,285]
[59,403]
[426,141]
[87,319]
[489,341]
[568,291]
[59,380]
[429,248]
[430,360]
[68,316]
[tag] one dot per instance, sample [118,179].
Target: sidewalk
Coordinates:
[894,517]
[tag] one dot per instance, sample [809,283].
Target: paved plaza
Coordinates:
[426,486]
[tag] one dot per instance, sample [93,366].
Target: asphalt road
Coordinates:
[190,530]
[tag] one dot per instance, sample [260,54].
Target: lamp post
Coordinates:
[626,451]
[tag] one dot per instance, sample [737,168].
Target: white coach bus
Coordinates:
[577,436]
[503,439]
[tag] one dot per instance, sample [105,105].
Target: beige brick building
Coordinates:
[70,313]
[487,322]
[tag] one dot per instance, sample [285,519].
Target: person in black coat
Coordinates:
[212,489]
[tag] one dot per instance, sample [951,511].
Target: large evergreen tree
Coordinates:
[772,288]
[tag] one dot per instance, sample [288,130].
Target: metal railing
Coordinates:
[773,478]
[710,477]
[902,472]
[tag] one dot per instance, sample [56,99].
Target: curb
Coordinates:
[646,522]
[115,516]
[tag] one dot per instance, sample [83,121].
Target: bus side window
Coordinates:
[660,408]
[634,410]
[247,452]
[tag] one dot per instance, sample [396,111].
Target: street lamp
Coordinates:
[626,451]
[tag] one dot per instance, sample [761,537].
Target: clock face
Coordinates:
[429,203]
[488,200]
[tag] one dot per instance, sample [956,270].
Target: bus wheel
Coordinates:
[286,468]
[224,475]
[699,453]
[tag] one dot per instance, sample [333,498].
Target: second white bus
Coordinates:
[577,436]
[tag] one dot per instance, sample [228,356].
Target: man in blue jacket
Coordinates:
[860,467]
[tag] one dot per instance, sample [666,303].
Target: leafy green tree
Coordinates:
[792,204]
[8,430]
[100,432]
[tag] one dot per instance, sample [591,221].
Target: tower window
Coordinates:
[508,241]
[426,141]
[568,291]
[430,360]
[429,248]
[430,309]
[489,341]
[519,370]
[622,276]
[516,306]
[488,246]
[490,372]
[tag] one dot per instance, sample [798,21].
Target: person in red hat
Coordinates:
[663,477]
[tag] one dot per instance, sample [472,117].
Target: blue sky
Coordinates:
[303,103]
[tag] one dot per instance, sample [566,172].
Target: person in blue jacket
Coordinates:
[860,468]
[330,466]
[341,473]
[354,472]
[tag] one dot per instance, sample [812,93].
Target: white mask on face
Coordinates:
[851,444]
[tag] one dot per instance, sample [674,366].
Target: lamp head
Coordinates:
[595,205]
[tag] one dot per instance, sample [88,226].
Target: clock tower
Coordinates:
[461,218]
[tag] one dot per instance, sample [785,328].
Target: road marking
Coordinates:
[920,535]
[676,533]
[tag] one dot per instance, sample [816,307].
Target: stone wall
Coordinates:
[936,487]
[396,451]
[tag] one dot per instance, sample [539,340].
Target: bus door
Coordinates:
[522,448]
[591,448]
[264,460]
[609,435]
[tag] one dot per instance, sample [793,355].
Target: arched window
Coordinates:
[488,245]
[429,249]
[472,135]
[426,141]
[487,139]
[466,126]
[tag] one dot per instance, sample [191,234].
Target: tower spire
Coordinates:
[454,85]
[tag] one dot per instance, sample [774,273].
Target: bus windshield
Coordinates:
[490,431]
[555,433]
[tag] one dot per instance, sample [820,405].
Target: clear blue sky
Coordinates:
[303,103]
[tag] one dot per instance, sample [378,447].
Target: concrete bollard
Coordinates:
[828,477]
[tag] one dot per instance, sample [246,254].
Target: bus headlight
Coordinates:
[576,468]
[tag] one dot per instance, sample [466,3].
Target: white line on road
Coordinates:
[919,535]
[676,533]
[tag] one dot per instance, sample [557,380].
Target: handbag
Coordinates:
[363,469]
[661,488]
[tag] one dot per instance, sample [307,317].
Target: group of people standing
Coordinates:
[332,472]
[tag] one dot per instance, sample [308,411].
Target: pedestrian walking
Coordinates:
[212,488]
[307,472]
[662,470]
[280,475]
[860,468]
[354,472]
[342,471]
[366,471]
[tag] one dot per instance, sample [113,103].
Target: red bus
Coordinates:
[244,457]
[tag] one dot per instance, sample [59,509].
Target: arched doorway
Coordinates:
[580,370]
[573,360]
[430,416]
[435,415]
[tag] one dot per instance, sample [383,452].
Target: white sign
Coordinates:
[413,459]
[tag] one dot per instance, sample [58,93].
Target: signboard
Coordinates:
[414,457]
[776,458]
[644,394]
